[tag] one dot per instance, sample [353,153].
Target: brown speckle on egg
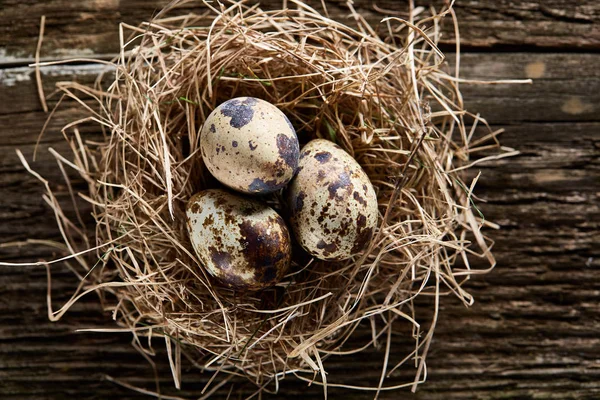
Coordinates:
[261,247]
[359,198]
[288,149]
[208,221]
[220,259]
[343,182]
[327,248]
[240,110]
[320,175]
[196,209]
[261,186]
[362,239]
[323,156]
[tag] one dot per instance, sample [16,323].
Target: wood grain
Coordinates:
[533,331]
[86,28]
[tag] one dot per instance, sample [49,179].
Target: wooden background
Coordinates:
[534,331]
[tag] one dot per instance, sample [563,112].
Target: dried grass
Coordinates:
[393,103]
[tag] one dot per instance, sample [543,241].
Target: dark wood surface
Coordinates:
[534,331]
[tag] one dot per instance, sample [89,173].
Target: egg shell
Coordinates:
[332,202]
[242,242]
[250,145]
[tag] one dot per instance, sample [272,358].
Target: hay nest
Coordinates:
[388,98]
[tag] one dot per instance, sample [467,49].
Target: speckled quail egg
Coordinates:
[242,242]
[250,145]
[332,202]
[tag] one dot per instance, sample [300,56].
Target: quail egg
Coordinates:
[249,145]
[242,242]
[332,202]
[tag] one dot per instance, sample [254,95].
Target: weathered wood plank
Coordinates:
[556,94]
[85,28]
